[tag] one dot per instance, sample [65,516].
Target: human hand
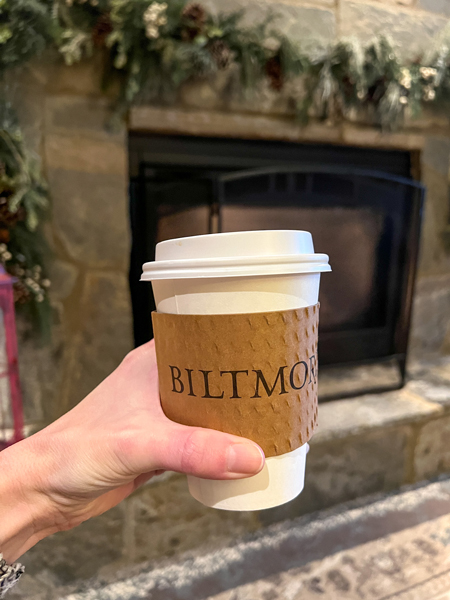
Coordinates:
[94,456]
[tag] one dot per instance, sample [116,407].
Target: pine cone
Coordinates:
[195,13]
[7,218]
[21,293]
[102,28]
[376,91]
[194,17]
[221,53]
[348,86]
[274,73]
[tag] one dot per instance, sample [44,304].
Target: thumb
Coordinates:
[207,453]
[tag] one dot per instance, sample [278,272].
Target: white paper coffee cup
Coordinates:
[232,273]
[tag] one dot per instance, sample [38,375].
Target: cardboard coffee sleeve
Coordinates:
[252,375]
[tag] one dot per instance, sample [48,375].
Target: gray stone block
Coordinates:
[166,521]
[346,418]
[104,336]
[438,393]
[433,256]
[76,554]
[342,470]
[63,276]
[431,314]
[85,152]
[441,7]
[83,78]
[432,451]
[90,216]
[411,31]
[77,114]
[384,547]
[442,371]
[40,368]
[313,28]
[436,153]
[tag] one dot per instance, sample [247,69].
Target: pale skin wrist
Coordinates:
[26,515]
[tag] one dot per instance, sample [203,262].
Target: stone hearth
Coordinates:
[364,446]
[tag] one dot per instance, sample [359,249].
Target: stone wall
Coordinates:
[65,115]
[364,446]
[64,112]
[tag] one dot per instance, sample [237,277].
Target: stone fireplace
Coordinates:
[361,205]
[65,112]
[88,167]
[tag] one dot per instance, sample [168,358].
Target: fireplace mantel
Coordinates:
[213,123]
[64,113]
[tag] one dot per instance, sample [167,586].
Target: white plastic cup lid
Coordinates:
[236,254]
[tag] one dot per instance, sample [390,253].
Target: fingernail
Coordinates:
[245,459]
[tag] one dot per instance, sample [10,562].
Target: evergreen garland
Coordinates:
[23,203]
[155,47]
[24,31]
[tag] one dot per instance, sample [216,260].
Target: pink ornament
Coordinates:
[11,409]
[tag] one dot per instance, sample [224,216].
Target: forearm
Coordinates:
[25,515]
[96,455]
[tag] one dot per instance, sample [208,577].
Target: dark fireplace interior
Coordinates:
[362,206]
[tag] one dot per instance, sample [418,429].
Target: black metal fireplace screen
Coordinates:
[367,220]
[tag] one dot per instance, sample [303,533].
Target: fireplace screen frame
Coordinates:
[352,347]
